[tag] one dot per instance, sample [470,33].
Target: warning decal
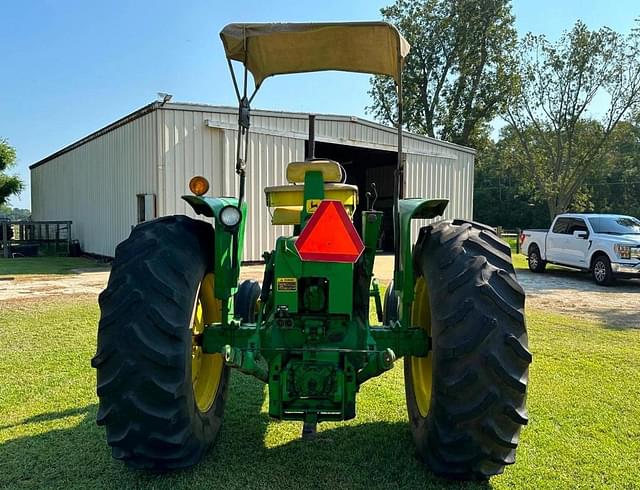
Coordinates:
[287,284]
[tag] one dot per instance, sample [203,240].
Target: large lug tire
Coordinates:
[161,398]
[466,399]
[536,264]
[601,271]
[390,305]
[246,301]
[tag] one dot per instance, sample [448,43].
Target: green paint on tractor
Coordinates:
[175,320]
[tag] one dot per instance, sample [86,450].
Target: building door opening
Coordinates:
[365,166]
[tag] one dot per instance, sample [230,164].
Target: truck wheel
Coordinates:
[161,398]
[466,399]
[246,301]
[536,264]
[601,270]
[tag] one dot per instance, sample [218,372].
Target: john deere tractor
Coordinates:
[175,320]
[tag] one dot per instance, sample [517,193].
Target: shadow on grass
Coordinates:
[617,319]
[47,417]
[248,454]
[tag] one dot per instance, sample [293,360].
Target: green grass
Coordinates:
[512,242]
[519,260]
[22,266]
[584,429]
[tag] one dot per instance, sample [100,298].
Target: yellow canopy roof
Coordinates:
[273,49]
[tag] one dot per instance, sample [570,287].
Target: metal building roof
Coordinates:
[187,106]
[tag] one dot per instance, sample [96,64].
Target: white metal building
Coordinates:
[138,167]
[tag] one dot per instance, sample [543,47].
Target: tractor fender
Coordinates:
[410,209]
[226,265]
[209,206]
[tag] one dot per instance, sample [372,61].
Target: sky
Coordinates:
[70,67]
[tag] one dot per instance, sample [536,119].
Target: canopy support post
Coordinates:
[399,179]
[242,146]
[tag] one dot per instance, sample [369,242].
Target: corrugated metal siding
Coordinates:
[434,168]
[268,159]
[335,129]
[95,185]
[191,148]
[440,177]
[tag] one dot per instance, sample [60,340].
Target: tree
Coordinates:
[9,184]
[15,214]
[552,114]
[502,195]
[614,186]
[459,72]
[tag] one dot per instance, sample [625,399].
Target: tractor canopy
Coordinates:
[280,48]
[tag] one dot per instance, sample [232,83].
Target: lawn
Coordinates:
[584,429]
[24,266]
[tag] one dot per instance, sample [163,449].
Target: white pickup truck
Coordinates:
[607,245]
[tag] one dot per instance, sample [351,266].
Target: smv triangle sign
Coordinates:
[329,236]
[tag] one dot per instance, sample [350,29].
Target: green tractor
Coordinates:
[175,320]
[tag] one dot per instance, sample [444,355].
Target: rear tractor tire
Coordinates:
[161,398]
[466,399]
[246,303]
[390,305]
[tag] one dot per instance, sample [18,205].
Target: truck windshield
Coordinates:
[615,225]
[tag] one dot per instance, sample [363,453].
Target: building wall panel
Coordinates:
[191,147]
[441,177]
[95,185]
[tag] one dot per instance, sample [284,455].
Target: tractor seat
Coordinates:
[287,200]
[331,170]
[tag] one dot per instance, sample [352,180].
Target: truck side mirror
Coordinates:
[581,234]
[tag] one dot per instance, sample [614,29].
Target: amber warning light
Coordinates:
[330,236]
[198,185]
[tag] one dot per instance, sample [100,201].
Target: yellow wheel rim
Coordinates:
[206,369]
[421,367]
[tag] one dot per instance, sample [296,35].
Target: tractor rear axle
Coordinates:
[313,373]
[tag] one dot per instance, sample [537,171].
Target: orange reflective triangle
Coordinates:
[329,236]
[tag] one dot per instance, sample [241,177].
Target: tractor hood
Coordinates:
[274,49]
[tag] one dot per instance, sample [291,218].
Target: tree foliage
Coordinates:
[9,184]
[614,186]
[560,141]
[15,214]
[460,69]
[505,195]
[502,197]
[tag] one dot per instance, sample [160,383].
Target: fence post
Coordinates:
[5,239]
[518,232]
[68,237]
[57,237]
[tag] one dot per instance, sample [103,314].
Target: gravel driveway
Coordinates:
[561,290]
[574,293]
